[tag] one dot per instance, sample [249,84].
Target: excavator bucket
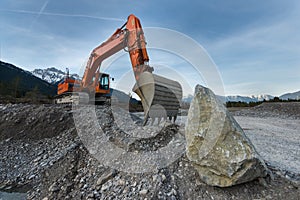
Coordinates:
[160,96]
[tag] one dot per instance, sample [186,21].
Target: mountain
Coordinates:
[252,98]
[121,96]
[262,97]
[294,95]
[188,98]
[16,82]
[52,75]
[236,98]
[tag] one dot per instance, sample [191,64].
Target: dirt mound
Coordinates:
[29,121]
[273,109]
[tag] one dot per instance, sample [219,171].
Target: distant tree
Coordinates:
[228,104]
[15,84]
[2,88]
[276,99]
[241,104]
[33,95]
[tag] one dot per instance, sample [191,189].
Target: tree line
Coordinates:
[14,91]
[252,104]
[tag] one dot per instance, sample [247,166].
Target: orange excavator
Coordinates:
[160,96]
[70,90]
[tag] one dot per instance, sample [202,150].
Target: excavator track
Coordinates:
[160,96]
[72,98]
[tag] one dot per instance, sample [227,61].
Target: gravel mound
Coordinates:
[284,110]
[46,158]
[29,121]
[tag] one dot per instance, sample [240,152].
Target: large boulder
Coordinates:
[217,145]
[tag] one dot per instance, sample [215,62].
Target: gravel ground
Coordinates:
[274,129]
[41,154]
[277,140]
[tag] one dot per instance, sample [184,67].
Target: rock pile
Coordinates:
[283,110]
[59,166]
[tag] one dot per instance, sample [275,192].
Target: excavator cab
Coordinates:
[102,89]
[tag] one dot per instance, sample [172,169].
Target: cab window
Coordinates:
[104,82]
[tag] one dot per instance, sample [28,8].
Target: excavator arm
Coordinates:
[152,89]
[132,38]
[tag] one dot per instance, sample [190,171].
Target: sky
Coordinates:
[253,45]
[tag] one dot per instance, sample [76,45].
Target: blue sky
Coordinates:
[254,44]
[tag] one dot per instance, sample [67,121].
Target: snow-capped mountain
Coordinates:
[236,98]
[294,95]
[252,98]
[51,75]
[188,98]
[262,97]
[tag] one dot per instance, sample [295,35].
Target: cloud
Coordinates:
[62,14]
[42,50]
[260,56]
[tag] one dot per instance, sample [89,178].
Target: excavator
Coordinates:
[70,90]
[160,96]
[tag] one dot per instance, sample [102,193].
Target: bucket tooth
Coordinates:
[174,119]
[160,96]
[158,120]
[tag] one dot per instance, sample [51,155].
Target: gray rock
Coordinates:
[143,192]
[217,145]
[121,182]
[53,188]
[106,176]
[173,197]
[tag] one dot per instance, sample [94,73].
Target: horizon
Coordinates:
[251,44]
